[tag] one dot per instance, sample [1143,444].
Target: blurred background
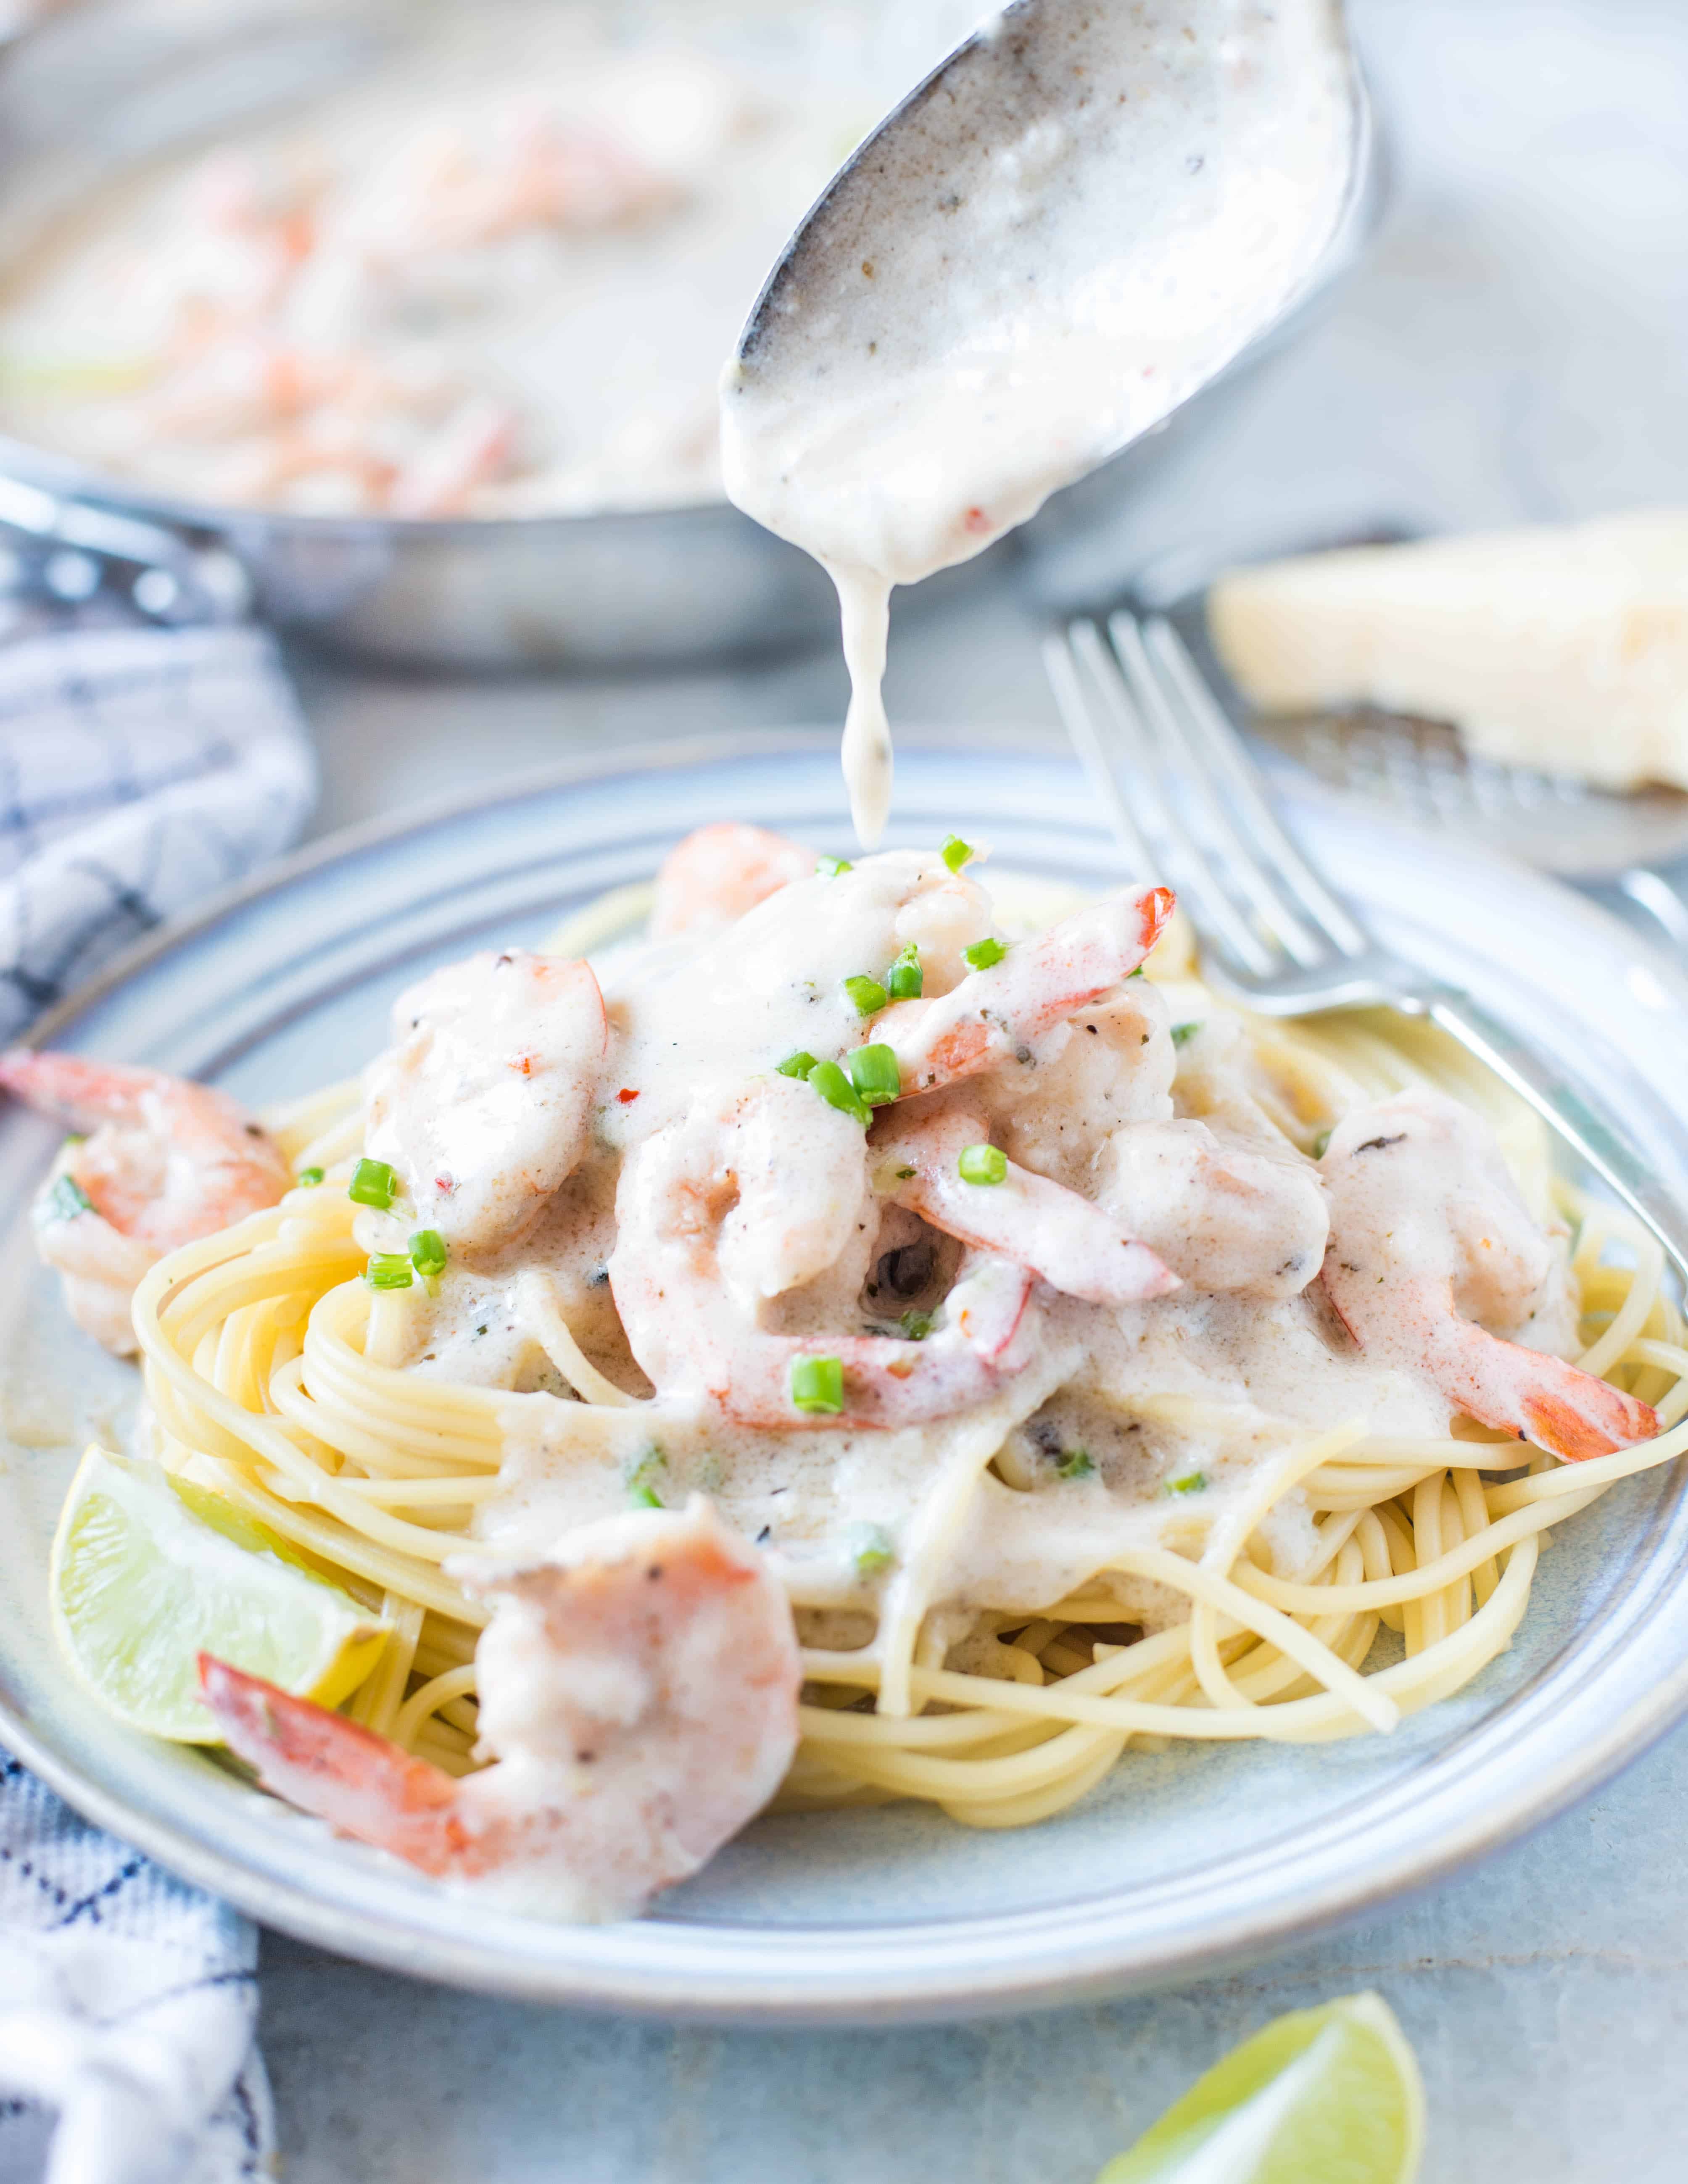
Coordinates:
[432,342]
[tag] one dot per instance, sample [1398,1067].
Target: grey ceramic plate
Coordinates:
[1175,1863]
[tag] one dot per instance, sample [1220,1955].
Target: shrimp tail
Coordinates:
[79,1091]
[1002,1013]
[360,1783]
[1538,1397]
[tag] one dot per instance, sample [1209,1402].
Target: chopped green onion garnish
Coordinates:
[63,1200]
[373,1183]
[390,1270]
[817,1385]
[955,852]
[640,1478]
[428,1254]
[1183,1032]
[1136,973]
[832,867]
[905,1174]
[1075,1463]
[1187,1482]
[867,993]
[1321,1144]
[797,1065]
[983,1164]
[308,1178]
[904,981]
[837,1090]
[870,1549]
[984,953]
[916,1325]
[75,1137]
[874,1072]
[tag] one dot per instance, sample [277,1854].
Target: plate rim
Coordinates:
[1090,1958]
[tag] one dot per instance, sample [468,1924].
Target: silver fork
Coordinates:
[1190,807]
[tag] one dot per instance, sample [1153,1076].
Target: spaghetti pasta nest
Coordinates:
[272,1369]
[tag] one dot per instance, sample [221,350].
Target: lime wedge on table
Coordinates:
[142,1583]
[1329,2096]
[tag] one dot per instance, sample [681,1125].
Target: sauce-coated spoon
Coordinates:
[1076,221]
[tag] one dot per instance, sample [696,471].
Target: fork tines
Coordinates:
[1188,800]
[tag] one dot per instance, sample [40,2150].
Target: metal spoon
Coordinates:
[1158,181]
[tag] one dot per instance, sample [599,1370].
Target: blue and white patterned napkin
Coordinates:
[140,770]
[127,2009]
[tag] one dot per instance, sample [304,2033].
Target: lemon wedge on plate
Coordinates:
[1327,2095]
[147,1574]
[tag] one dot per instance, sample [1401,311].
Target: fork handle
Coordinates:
[1583,1128]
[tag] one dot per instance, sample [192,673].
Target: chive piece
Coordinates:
[797,1065]
[639,1477]
[1188,1482]
[905,981]
[874,1072]
[984,953]
[1321,1144]
[867,993]
[373,1183]
[870,1549]
[428,1253]
[64,1199]
[1183,1032]
[390,1270]
[916,1325]
[955,852]
[817,1385]
[837,1090]
[830,868]
[905,1174]
[1075,1463]
[1138,973]
[308,1178]
[983,1164]
[76,1137]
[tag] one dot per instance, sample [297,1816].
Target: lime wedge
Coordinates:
[142,1583]
[1329,2096]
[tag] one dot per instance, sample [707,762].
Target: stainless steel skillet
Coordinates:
[112,81]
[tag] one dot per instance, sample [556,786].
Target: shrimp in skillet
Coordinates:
[638,1700]
[164,1162]
[1431,1247]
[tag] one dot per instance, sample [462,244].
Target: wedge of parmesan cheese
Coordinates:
[1563,648]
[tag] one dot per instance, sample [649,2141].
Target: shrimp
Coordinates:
[469,449]
[484,1104]
[165,1162]
[1430,1240]
[1229,1216]
[1049,1230]
[639,1699]
[747,1196]
[1018,1009]
[710,880]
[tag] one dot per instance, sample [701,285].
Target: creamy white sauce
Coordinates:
[493,275]
[992,317]
[1204,1386]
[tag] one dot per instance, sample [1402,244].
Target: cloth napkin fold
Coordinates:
[140,770]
